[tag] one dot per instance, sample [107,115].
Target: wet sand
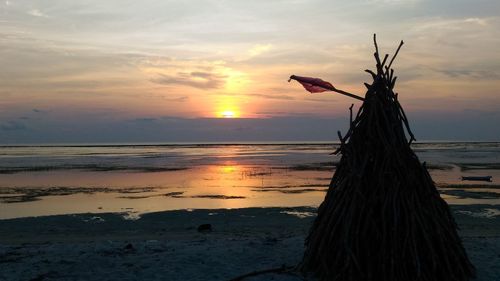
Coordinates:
[227,185]
[56,180]
[167,245]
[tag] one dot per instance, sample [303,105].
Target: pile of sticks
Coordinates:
[382,218]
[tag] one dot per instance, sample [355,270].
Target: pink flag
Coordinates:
[313,85]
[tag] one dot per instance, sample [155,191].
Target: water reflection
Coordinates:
[135,180]
[226,185]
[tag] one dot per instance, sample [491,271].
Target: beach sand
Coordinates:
[168,246]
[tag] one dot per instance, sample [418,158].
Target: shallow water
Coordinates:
[134,179]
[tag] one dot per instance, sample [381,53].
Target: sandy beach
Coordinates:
[123,213]
[168,245]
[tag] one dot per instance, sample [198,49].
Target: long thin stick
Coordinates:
[347,94]
[395,54]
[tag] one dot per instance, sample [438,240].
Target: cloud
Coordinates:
[177,99]
[13,125]
[37,110]
[471,74]
[400,2]
[144,120]
[433,26]
[271,96]
[319,100]
[259,49]
[479,21]
[161,96]
[196,79]
[37,13]
[285,114]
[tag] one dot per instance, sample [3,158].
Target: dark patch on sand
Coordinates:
[479,166]
[291,191]
[286,186]
[442,167]
[174,194]
[464,194]
[177,194]
[180,195]
[468,186]
[320,166]
[216,196]
[95,168]
[27,194]
[257,173]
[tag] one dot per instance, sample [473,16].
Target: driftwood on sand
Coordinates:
[477,178]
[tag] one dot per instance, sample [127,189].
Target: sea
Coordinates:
[133,179]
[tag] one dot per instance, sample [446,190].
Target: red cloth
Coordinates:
[313,85]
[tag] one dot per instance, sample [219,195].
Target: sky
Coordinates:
[196,71]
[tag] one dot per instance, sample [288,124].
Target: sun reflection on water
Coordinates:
[228,169]
[170,178]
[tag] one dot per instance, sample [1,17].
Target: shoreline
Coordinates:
[134,201]
[229,143]
[167,245]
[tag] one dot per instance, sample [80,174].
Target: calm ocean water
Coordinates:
[136,178]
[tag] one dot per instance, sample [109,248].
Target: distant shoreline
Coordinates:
[209,144]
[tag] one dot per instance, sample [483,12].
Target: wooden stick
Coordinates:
[372,73]
[375,42]
[347,94]
[395,54]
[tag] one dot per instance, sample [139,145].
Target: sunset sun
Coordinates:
[228,114]
[227,107]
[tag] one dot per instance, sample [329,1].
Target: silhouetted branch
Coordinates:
[395,54]
[372,73]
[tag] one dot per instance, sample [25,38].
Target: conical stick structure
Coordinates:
[382,217]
